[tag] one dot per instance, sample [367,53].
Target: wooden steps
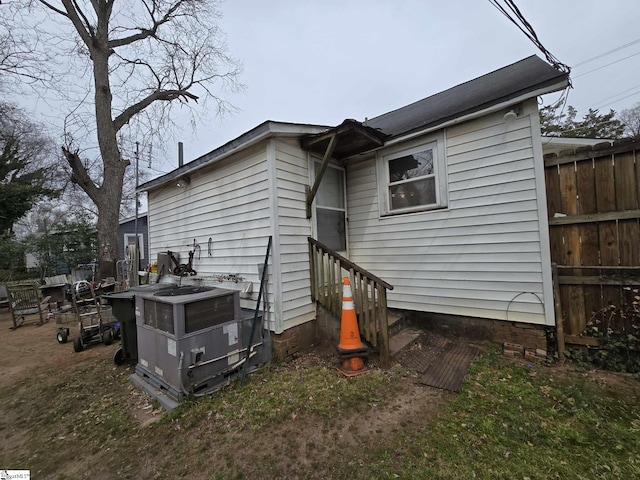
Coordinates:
[401,336]
[400,341]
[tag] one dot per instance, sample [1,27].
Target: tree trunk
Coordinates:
[108,196]
[108,238]
[180,68]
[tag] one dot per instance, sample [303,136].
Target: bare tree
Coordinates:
[21,57]
[142,57]
[631,119]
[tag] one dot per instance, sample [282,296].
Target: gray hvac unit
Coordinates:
[189,338]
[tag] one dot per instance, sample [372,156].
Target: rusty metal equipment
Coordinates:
[181,269]
[95,321]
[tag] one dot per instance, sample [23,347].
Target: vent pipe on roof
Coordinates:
[180,154]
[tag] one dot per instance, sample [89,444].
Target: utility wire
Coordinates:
[614,50]
[525,27]
[599,105]
[607,65]
[615,101]
[635,90]
[517,18]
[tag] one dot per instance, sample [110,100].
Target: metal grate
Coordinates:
[208,313]
[450,368]
[164,317]
[149,313]
[159,315]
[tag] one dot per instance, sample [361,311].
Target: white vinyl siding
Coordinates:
[227,202]
[479,257]
[292,177]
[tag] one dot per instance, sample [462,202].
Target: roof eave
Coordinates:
[553,85]
[263,131]
[350,135]
[504,103]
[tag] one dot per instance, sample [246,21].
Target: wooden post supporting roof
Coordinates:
[311,193]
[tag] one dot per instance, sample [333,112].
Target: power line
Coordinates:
[635,90]
[525,27]
[607,65]
[602,104]
[614,50]
[617,94]
[517,18]
[626,96]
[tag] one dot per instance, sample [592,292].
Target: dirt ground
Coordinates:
[32,351]
[33,348]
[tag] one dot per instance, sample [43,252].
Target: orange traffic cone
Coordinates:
[349,334]
[351,349]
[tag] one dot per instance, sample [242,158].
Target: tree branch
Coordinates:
[146,33]
[85,32]
[87,24]
[158,95]
[54,9]
[80,175]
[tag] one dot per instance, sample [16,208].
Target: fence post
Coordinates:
[558,312]
[385,359]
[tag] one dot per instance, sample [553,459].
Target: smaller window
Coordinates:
[413,179]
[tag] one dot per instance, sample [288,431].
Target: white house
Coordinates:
[444,199]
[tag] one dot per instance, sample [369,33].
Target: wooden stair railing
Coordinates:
[369,294]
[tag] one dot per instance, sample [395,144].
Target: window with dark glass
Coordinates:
[412,180]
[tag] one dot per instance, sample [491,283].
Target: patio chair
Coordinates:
[25,300]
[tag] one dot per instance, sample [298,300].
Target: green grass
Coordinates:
[510,421]
[514,422]
[278,394]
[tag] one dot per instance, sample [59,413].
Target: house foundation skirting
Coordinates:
[328,326]
[528,335]
[294,341]
[325,330]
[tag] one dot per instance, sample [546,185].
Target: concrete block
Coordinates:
[511,353]
[515,347]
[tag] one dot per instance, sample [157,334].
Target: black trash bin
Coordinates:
[123,305]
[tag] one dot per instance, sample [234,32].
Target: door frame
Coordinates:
[313,160]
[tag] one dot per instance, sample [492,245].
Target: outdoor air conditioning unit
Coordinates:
[190,339]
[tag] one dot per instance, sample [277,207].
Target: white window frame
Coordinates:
[436,143]
[140,243]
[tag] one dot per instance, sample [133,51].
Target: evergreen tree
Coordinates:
[554,123]
[23,176]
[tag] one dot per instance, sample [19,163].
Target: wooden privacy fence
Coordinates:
[593,201]
[369,294]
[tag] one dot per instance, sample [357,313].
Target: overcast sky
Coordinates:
[326,60]
[322,61]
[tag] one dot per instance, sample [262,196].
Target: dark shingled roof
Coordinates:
[352,137]
[507,83]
